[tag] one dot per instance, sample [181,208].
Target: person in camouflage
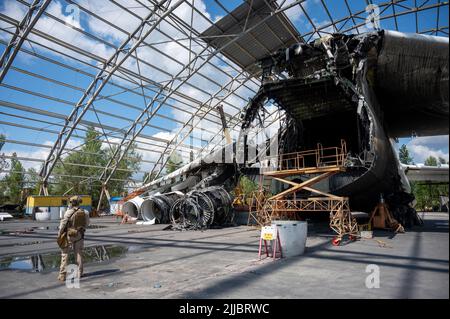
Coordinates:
[74,223]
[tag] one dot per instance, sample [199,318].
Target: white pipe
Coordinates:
[132,207]
[149,211]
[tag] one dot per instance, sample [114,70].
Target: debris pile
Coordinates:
[201,209]
[156,208]
[198,209]
[402,210]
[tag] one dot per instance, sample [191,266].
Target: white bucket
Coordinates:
[293,235]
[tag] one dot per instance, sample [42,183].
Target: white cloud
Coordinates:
[113,14]
[422,147]
[295,14]
[126,21]
[70,15]
[13,9]
[39,153]
[63,31]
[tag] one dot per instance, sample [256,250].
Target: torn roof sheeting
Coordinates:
[275,33]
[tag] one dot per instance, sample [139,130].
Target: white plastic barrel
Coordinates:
[293,235]
[43,214]
[132,207]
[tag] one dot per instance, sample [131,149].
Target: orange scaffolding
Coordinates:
[317,165]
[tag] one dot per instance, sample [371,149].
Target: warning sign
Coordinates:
[269,233]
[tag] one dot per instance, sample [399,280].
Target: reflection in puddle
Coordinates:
[135,248]
[41,262]
[31,230]
[57,227]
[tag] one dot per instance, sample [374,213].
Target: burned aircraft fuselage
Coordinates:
[364,89]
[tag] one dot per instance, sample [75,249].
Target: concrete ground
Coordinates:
[149,262]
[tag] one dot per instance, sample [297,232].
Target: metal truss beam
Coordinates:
[192,126]
[65,163]
[182,26]
[353,15]
[22,31]
[124,89]
[154,148]
[275,12]
[279,117]
[102,77]
[192,62]
[72,150]
[93,178]
[111,130]
[178,92]
[129,72]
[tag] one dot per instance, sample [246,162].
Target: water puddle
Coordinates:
[50,261]
[31,230]
[96,226]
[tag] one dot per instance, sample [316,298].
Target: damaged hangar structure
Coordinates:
[365,89]
[323,83]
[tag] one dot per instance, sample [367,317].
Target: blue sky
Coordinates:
[62,96]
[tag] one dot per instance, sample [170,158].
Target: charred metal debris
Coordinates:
[328,92]
[195,210]
[334,65]
[201,209]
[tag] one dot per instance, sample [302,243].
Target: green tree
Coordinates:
[126,168]
[32,181]
[431,161]
[175,162]
[91,158]
[13,182]
[427,195]
[404,156]
[3,162]
[247,186]
[442,160]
